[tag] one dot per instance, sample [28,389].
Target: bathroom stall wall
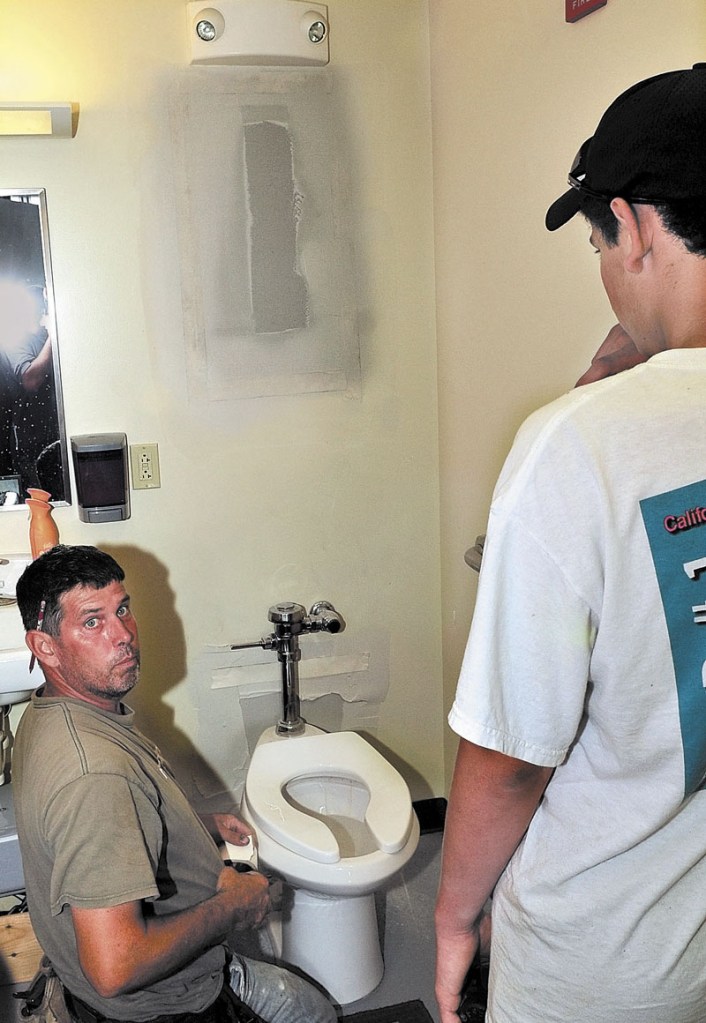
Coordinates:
[515,90]
[269,491]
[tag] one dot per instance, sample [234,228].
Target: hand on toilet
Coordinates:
[226,827]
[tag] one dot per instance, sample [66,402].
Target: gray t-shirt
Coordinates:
[102,822]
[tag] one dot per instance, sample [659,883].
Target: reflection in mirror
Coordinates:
[33,452]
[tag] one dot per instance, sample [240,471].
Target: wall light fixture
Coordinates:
[55,120]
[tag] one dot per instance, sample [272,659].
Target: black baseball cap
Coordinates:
[649,146]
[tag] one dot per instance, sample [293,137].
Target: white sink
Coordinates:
[11,568]
[16,683]
[11,873]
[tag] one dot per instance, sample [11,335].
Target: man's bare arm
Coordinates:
[493,799]
[38,370]
[123,949]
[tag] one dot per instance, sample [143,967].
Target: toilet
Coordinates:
[334,819]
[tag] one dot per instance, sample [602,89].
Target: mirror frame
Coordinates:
[37,197]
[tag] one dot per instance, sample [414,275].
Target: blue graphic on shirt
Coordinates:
[676,529]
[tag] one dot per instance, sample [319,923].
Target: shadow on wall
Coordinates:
[164,666]
[163,655]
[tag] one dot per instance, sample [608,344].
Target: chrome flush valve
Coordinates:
[290,620]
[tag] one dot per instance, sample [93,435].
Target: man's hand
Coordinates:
[250,891]
[454,955]
[617,353]
[492,801]
[227,827]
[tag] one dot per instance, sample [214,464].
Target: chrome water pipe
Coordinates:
[290,621]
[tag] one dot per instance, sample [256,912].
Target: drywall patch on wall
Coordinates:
[278,290]
[265,215]
[341,687]
[346,674]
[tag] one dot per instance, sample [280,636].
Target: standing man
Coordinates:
[128,895]
[578,797]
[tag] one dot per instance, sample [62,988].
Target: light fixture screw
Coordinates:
[206,30]
[317,32]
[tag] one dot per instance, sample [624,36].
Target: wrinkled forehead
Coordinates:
[82,599]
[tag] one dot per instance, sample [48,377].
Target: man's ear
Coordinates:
[635,234]
[41,644]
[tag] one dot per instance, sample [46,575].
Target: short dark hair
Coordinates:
[684,218]
[598,213]
[54,573]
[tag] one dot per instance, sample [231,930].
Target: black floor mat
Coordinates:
[405,1012]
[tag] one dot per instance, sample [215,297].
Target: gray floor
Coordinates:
[406,915]
[407,923]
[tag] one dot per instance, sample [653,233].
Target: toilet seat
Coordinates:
[329,755]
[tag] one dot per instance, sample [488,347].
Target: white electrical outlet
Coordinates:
[144,463]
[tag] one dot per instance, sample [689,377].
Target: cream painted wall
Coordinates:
[515,90]
[297,498]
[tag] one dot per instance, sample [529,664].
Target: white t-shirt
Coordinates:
[587,653]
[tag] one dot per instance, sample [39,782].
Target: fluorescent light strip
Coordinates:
[57,120]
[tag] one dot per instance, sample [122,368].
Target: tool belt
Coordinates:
[227,1008]
[48,1001]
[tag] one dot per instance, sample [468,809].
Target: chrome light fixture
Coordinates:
[209,25]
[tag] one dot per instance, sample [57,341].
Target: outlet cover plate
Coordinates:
[144,466]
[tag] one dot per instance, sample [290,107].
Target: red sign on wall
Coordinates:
[576,9]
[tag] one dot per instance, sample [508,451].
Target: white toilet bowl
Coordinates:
[335,820]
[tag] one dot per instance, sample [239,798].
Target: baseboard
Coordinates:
[431,814]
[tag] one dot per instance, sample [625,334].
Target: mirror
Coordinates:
[33,450]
